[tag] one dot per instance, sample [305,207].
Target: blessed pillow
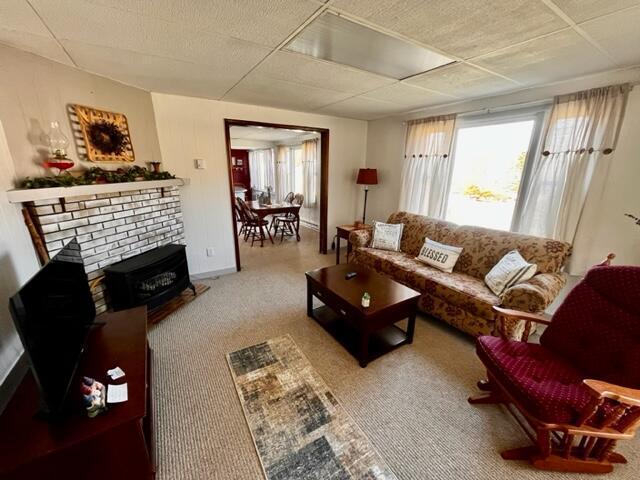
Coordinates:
[439,255]
[510,270]
[386,236]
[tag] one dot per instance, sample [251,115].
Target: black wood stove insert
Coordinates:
[150,279]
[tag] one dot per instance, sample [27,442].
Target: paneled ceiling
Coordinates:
[235,50]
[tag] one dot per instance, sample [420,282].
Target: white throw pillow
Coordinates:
[511,269]
[439,255]
[386,236]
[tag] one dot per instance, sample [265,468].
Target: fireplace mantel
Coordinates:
[34,194]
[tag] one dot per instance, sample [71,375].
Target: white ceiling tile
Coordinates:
[259,21]
[36,44]
[259,89]
[154,73]
[619,34]
[362,108]
[83,22]
[462,81]
[581,10]
[555,57]
[18,15]
[21,28]
[408,95]
[459,27]
[317,73]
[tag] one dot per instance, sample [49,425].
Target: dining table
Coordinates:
[280,208]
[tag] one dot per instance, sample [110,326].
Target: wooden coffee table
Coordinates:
[369,332]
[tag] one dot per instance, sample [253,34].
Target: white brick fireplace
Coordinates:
[110,222]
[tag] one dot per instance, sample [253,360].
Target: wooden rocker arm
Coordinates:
[607,261]
[624,398]
[620,394]
[520,315]
[508,313]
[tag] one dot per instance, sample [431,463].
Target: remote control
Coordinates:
[350,275]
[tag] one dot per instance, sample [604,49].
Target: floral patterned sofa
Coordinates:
[461,298]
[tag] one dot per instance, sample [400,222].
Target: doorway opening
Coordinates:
[278,179]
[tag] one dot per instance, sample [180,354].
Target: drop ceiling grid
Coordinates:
[238,39]
[548,59]
[362,96]
[271,20]
[155,73]
[123,30]
[395,34]
[567,25]
[619,33]
[303,69]
[20,25]
[315,15]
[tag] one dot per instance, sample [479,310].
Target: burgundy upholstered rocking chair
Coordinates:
[577,391]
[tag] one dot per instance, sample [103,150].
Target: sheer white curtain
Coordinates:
[310,161]
[284,182]
[262,168]
[427,165]
[581,132]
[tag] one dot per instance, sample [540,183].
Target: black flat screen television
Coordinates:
[53,313]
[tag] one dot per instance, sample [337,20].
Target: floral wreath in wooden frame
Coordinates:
[101,136]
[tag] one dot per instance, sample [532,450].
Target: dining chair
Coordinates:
[254,225]
[274,219]
[289,224]
[239,217]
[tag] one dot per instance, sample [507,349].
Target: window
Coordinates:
[489,167]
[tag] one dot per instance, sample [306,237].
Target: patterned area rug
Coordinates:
[300,430]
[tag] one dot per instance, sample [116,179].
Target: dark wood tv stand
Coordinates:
[116,444]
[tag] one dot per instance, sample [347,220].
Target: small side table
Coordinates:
[343,231]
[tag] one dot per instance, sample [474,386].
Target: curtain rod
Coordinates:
[488,110]
[511,106]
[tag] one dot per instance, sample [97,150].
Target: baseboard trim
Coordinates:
[309,225]
[213,273]
[12,380]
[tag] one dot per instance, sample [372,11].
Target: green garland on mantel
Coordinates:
[96,176]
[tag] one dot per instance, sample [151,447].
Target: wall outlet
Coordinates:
[199,163]
[210,252]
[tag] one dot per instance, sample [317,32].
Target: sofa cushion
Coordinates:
[458,289]
[546,385]
[417,228]
[398,265]
[484,247]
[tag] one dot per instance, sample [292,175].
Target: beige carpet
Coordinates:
[411,403]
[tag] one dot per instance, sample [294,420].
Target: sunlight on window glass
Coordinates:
[488,165]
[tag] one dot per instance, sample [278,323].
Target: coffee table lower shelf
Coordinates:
[380,341]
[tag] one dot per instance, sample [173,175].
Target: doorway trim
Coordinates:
[324,175]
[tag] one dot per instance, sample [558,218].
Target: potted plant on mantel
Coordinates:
[97,175]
